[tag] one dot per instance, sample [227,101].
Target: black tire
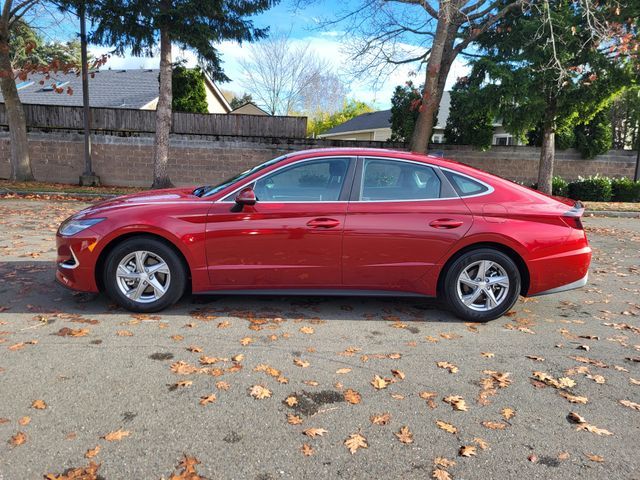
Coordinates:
[509,297]
[157,249]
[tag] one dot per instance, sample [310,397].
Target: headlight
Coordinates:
[72,226]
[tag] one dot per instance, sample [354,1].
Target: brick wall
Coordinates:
[127,161]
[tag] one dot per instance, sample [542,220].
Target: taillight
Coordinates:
[573,222]
[573,216]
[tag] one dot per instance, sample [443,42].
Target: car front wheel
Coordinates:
[144,275]
[481,285]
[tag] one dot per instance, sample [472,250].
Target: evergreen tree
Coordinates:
[139,26]
[470,120]
[189,93]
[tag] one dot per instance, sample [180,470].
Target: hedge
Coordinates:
[596,189]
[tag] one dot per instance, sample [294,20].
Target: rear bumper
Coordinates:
[563,288]
[559,272]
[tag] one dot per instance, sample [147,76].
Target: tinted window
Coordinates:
[312,181]
[465,186]
[396,180]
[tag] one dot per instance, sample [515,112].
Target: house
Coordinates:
[136,89]
[249,108]
[377,126]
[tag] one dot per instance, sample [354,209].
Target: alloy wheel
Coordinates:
[483,285]
[143,276]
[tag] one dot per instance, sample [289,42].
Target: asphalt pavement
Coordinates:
[235,382]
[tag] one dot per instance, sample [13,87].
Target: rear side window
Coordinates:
[465,186]
[396,181]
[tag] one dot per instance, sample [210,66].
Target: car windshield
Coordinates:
[208,190]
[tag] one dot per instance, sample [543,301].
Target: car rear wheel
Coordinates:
[481,285]
[144,275]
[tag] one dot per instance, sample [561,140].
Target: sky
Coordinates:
[302,25]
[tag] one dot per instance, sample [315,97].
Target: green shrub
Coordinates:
[559,186]
[625,190]
[595,189]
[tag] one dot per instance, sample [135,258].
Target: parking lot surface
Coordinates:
[315,387]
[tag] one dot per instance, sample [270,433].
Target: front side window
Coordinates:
[310,181]
[393,180]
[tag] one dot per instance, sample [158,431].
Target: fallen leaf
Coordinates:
[379,383]
[352,397]
[124,333]
[342,371]
[467,451]
[39,404]
[18,439]
[183,384]
[260,392]
[307,450]
[440,474]
[488,354]
[221,385]
[314,432]
[92,452]
[116,436]
[508,413]
[306,330]
[90,472]
[294,419]
[482,443]
[573,398]
[194,349]
[380,418]
[494,425]
[355,442]
[447,427]
[301,363]
[398,374]
[24,421]
[630,404]
[207,399]
[595,458]
[404,435]
[291,401]
[457,402]
[448,366]
[576,418]
[443,462]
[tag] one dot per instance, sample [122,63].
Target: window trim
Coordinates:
[445,189]
[345,192]
[489,190]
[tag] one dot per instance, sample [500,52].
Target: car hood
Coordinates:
[150,197]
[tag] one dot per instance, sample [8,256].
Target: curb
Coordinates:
[71,195]
[610,213]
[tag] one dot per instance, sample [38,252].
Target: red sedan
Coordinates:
[334,221]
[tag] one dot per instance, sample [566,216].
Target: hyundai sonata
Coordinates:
[332,221]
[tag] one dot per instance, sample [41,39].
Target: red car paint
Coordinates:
[385,246]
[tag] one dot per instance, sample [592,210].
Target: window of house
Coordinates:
[503,140]
[396,180]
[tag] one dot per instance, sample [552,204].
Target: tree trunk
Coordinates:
[163,115]
[439,63]
[18,142]
[548,150]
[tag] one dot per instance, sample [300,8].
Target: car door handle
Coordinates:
[323,223]
[446,223]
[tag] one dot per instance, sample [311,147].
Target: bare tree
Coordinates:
[386,34]
[286,77]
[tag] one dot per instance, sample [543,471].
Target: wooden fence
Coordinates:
[143,121]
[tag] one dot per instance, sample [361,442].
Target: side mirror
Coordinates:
[246,196]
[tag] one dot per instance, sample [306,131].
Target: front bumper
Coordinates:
[76,261]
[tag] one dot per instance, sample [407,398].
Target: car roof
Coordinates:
[374,152]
